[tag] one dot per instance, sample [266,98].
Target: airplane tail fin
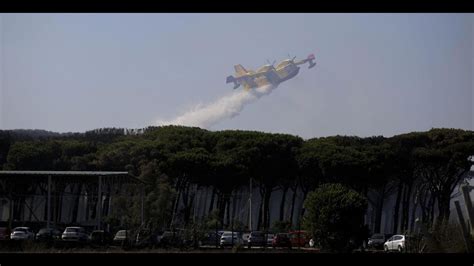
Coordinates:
[240,70]
[232,79]
[311,59]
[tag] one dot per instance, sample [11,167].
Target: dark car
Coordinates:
[146,238]
[211,239]
[122,238]
[172,239]
[4,233]
[156,238]
[100,238]
[257,238]
[48,234]
[281,240]
[376,241]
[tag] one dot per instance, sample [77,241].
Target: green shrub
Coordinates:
[334,216]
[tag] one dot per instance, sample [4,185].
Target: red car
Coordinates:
[299,238]
[281,240]
[4,233]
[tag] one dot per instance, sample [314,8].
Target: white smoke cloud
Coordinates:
[205,116]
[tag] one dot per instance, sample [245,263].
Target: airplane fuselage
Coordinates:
[268,74]
[289,74]
[273,77]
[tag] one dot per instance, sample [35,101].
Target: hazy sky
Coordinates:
[377,74]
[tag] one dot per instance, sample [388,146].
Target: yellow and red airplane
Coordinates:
[268,74]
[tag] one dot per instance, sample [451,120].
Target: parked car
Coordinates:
[142,238]
[281,240]
[157,236]
[395,243]
[299,238]
[269,239]
[100,238]
[22,233]
[48,234]
[245,236]
[167,239]
[210,239]
[75,233]
[172,239]
[256,238]
[146,238]
[376,241]
[4,233]
[230,238]
[122,237]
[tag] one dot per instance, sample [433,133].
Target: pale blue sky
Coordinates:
[377,74]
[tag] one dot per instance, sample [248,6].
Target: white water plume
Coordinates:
[205,116]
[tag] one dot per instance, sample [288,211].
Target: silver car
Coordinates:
[270,239]
[395,243]
[22,233]
[228,238]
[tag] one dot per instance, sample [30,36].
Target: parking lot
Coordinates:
[75,247]
[77,239]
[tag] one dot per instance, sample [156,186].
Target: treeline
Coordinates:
[420,169]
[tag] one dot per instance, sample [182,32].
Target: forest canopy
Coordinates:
[175,160]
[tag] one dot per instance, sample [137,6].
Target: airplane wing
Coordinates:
[244,77]
[255,75]
[247,80]
[240,70]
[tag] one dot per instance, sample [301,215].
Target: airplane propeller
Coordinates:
[268,61]
[289,56]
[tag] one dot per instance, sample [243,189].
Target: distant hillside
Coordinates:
[40,134]
[26,134]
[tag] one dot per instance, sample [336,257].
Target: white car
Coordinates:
[22,233]
[228,238]
[75,233]
[395,243]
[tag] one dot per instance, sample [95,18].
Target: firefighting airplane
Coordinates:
[268,74]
